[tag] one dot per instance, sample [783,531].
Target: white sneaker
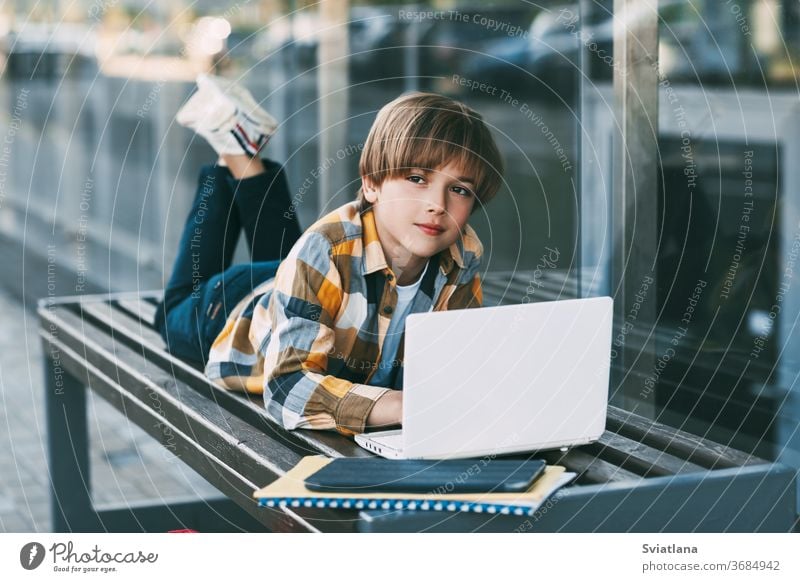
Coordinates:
[227,116]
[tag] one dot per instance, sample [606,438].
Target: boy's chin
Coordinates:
[426,251]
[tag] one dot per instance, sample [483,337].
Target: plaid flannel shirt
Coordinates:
[311,338]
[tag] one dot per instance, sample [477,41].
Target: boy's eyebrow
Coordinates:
[460,178]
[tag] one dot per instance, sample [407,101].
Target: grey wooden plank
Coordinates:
[139,308]
[106,296]
[153,298]
[590,469]
[640,458]
[682,444]
[121,324]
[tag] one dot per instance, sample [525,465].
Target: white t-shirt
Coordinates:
[405,297]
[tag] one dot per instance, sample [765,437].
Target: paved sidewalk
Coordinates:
[127,465]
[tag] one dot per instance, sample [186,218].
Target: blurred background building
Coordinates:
[96,177]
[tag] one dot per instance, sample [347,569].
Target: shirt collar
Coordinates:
[375,260]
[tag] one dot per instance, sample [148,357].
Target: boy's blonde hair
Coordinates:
[426,130]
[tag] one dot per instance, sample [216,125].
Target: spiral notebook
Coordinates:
[289,491]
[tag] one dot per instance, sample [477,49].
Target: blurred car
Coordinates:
[692,47]
[543,63]
[44,51]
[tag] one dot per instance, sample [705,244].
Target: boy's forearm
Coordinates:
[387,411]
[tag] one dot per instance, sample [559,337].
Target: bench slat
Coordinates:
[142,310]
[638,457]
[590,469]
[677,442]
[153,299]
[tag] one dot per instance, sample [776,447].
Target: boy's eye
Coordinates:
[460,190]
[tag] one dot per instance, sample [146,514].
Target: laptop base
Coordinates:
[386,443]
[389,444]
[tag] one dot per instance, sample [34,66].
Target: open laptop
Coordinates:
[500,380]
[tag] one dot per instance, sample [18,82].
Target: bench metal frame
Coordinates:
[641,476]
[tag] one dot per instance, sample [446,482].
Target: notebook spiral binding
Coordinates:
[411,504]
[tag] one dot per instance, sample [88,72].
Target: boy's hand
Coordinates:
[387,412]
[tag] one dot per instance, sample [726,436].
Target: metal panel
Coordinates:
[747,499]
[634,203]
[67,447]
[333,90]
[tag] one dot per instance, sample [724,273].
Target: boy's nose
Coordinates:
[437,201]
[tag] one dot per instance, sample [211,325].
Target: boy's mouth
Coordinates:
[430,228]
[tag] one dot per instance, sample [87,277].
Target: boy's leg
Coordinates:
[205,249]
[209,236]
[264,205]
[202,280]
[261,198]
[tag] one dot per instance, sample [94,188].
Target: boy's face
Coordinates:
[421,212]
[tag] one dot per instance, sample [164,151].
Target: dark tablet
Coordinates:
[414,476]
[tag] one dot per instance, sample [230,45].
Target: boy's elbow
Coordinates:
[284,417]
[275,397]
[278,409]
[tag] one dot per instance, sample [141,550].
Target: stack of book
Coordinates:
[290,491]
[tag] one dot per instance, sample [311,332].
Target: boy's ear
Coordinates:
[369,189]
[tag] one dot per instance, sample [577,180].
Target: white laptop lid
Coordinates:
[505,379]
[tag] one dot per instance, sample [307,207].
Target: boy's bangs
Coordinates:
[430,153]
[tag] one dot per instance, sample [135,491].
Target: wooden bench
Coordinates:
[641,476]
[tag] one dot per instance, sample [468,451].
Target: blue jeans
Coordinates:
[204,287]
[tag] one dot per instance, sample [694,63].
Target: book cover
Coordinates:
[290,491]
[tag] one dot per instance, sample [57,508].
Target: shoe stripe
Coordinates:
[246,137]
[243,143]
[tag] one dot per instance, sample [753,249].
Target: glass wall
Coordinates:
[721,349]
[101,171]
[729,132]
[97,84]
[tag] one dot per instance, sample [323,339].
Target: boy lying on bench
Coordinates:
[316,321]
